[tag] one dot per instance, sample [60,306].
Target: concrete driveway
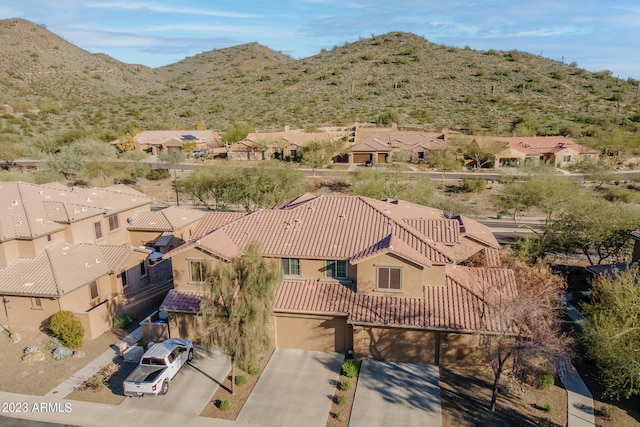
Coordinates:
[191,389]
[295,389]
[397,394]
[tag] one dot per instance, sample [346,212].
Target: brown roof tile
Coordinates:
[213,220]
[168,219]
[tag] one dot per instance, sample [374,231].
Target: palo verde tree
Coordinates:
[238,306]
[318,154]
[612,334]
[172,158]
[444,160]
[521,323]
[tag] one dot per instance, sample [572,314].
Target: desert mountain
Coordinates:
[49,86]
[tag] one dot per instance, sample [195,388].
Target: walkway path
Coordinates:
[581,412]
[74,381]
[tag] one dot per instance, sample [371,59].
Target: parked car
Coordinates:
[197,153]
[158,365]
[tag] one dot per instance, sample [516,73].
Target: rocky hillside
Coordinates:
[49,86]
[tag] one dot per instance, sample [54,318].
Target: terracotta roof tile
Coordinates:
[476,231]
[168,219]
[213,220]
[61,269]
[442,230]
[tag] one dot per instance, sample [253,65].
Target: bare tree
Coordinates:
[520,322]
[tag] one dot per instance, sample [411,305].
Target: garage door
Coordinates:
[361,157]
[325,333]
[399,345]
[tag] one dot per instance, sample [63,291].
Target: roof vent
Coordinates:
[129,220]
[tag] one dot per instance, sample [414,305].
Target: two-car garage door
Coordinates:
[322,333]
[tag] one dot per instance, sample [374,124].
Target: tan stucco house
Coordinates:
[384,279]
[68,249]
[557,151]
[157,141]
[379,148]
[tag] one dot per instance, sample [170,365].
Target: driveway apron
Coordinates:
[191,389]
[295,389]
[397,394]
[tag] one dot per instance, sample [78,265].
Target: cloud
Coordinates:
[153,7]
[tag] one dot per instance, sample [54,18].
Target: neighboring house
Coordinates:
[380,148]
[280,145]
[555,150]
[382,278]
[157,141]
[67,249]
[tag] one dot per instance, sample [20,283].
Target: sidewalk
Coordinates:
[580,411]
[74,381]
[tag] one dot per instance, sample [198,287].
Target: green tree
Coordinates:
[10,149]
[391,183]
[612,334]
[480,154]
[444,160]
[212,185]
[318,154]
[172,158]
[82,158]
[593,226]
[127,141]
[237,132]
[238,306]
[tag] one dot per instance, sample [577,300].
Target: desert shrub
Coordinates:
[547,408]
[122,321]
[158,174]
[341,399]
[350,368]
[30,349]
[65,326]
[609,412]
[344,385]
[615,194]
[240,380]
[545,381]
[224,405]
[54,343]
[61,353]
[253,370]
[94,384]
[473,185]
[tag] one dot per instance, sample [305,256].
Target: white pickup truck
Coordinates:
[158,366]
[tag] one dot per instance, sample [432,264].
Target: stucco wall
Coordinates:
[22,314]
[413,277]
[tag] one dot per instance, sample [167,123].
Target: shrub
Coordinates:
[609,412]
[253,370]
[62,352]
[122,321]
[545,381]
[94,384]
[54,343]
[341,399]
[65,326]
[240,380]
[344,385]
[224,405]
[158,174]
[350,368]
[547,408]
[31,349]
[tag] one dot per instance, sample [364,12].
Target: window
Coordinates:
[291,266]
[336,269]
[566,159]
[113,222]
[420,155]
[93,289]
[97,228]
[143,269]
[36,303]
[49,238]
[123,275]
[196,271]
[390,278]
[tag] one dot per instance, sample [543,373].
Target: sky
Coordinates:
[596,34]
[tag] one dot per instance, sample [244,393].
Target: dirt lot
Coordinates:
[38,378]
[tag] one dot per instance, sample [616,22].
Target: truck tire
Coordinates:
[190,357]
[165,387]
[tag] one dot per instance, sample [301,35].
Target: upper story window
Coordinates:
[390,278]
[566,159]
[291,266]
[113,222]
[196,271]
[336,269]
[93,289]
[143,269]
[97,228]
[36,303]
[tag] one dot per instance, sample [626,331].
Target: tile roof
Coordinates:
[168,219]
[541,144]
[213,220]
[61,269]
[384,142]
[476,231]
[328,227]
[635,234]
[442,230]
[29,210]
[159,137]
[182,301]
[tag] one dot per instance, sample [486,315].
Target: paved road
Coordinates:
[397,395]
[294,390]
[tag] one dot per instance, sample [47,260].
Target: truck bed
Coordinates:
[145,374]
